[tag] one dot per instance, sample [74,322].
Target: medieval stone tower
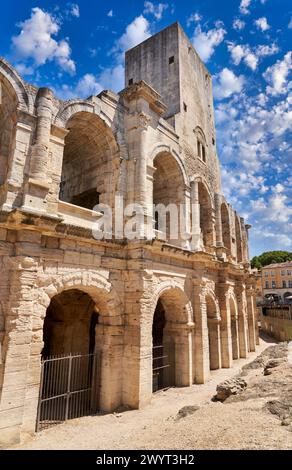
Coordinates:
[130,315]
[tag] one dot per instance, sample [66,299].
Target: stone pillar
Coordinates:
[214,343]
[201,338]
[225,326]
[17,162]
[242,321]
[17,346]
[109,349]
[182,336]
[40,148]
[196,242]
[218,222]
[39,181]
[251,319]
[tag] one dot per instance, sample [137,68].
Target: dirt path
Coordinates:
[239,425]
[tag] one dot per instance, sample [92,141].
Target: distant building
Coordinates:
[277,282]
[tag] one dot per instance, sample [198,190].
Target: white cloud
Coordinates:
[136,32]
[263,51]
[262,24]
[242,52]
[110,13]
[278,188]
[250,56]
[36,44]
[238,24]
[206,42]
[155,10]
[244,5]
[193,18]
[290,23]
[227,83]
[277,75]
[74,10]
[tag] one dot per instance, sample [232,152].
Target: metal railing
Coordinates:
[69,388]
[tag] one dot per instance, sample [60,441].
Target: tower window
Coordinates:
[185,107]
[131,81]
[171,60]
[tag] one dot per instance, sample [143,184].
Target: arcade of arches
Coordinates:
[156,313]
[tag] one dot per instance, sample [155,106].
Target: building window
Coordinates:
[185,107]
[289,272]
[267,284]
[171,60]
[273,273]
[203,154]
[289,283]
[284,284]
[283,272]
[201,151]
[131,81]
[266,273]
[273,284]
[213,141]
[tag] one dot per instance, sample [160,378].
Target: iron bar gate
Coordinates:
[69,388]
[161,362]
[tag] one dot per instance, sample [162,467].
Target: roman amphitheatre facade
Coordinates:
[140,314]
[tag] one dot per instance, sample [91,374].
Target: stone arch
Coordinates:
[226,230]
[172,320]
[213,327]
[162,148]
[90,141]
[107,329]
[69,108]
[95,285]
[206,214]
[169,189]
[25,101]
[238,234]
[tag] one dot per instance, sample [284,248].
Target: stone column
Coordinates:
[182,336]
[17,161]
[251,319]
[218,222]
[214,343]
[225,326]
[109,349]
[17,346]
[201,339]
[195,217]
[242,321]
[40,148]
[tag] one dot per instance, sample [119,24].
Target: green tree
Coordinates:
[270,257]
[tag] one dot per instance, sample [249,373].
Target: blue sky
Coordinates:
[77,49]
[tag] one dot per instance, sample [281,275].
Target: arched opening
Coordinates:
[69,326]
[226,235]
[214,340]
[88,150]
[168,188]
[234,329]
[206,223]
[70,377]
[8,106]
[170,342]
[238,240]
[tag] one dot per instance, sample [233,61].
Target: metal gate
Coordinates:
[69,388]
[161,368]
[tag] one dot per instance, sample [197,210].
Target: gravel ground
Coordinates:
[245,424]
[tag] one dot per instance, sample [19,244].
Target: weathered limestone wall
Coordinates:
[141,145]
